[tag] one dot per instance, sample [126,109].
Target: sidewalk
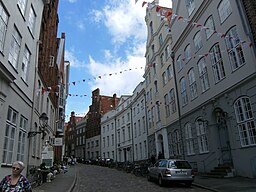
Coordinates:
[226,184]
[63,182]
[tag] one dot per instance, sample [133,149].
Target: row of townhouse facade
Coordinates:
[26,92]
[199,90]
[198,98]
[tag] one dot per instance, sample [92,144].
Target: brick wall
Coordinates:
[250,9]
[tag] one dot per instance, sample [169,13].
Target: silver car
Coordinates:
[171,170]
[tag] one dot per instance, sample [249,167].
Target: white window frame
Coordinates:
[9,136]
[189,139]
[32,20]
[201,136]
[4,18]
[198,41]
[203,74]
[209,27]
[187,52]
[25,64]
[217,63]
[190,6]
[22,6]
[245,121]
[235,49]
[15,48]
[224,10]
[183,93]
[192,84]
[172,100]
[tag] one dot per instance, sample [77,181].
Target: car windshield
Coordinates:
[179,165]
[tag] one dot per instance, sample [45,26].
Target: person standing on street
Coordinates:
[16,182]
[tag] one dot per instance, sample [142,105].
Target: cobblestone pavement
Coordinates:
[98,179]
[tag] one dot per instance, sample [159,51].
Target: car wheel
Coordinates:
[160,181]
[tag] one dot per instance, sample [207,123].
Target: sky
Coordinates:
[105,45]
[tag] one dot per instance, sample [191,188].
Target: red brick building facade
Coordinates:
[100,105]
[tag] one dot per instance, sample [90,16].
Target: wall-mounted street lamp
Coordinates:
[43,121]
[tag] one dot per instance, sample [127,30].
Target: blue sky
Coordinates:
[103,37]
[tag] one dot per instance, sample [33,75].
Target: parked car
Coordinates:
[171,170]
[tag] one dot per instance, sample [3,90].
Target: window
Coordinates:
[172,100]
[158,112]
[108,141]
[112,140]
[22,138]
[183,89]
[167,105]
[192,83]
[209,27]
[135,130]
[139,127]
[104,143]
[179,63]
[167,52]
[235,50]
[160,39]
[151,27]
[224,10]
[25,64]
[217,63]
[149,119]
[169,72]
[3,26]
[22,6]
[187,53]
[203,74]
[198,41]
[245,121]
[190,6]
[189,139]
[164,77]
[152,116]
[9,136]
[201,136]
[144,124]
[156,87]
[15,48]
[153,50]
[176,142]
[162,59]
[31,20]
[38,95]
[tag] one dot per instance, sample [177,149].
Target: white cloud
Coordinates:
[72,1]
[123,19]
[74,61]
[116,77]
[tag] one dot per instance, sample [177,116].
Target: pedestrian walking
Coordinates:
[16,182]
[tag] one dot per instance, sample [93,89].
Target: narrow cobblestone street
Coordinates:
[98,179]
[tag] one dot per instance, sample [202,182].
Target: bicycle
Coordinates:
[35,177]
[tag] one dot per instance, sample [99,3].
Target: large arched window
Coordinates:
[224,10]
[198,41]
[245,121]
[201,135]
[203,74]
[235,50]
[187,53]
[217,63]
[192,83]
[209,27]
[189,139]
[183,89]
